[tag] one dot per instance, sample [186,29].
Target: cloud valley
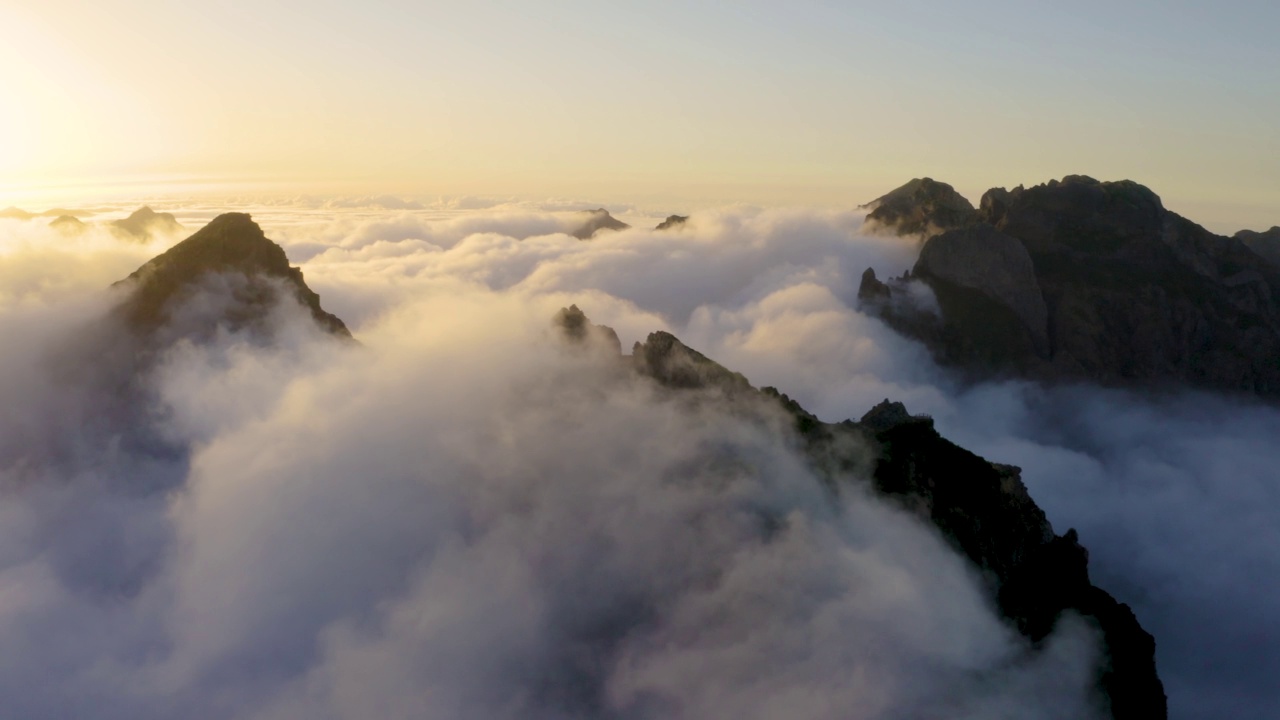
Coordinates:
[457,519]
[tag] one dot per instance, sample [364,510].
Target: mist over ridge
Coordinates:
[445,307]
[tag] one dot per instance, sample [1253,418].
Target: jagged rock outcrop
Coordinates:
[144,223]
[982,508]
[1133,294]
[597,220]
[240,274]
[672,221]
[921,207]
[1266,243]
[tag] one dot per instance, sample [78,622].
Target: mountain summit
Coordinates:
[923,206]
[233,253]
[1080,279]
[597,220]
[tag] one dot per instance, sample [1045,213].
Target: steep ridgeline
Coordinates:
[982,508]
[1088,280]
[228,274]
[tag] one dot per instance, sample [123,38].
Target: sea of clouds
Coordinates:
[456,519]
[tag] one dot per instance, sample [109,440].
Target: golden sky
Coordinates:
[662,102]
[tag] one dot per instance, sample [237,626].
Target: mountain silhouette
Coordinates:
[672,221]
[597,220]
[1085,280]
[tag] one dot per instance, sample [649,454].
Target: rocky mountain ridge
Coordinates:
[982,508]
[1132,294]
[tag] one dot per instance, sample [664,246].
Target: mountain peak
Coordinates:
[143,223]
[231,244]
[922,206]
[598,219]
[672,221]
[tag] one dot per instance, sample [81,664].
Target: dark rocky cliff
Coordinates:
[1133,294]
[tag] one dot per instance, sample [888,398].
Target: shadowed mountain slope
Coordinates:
[1132,294]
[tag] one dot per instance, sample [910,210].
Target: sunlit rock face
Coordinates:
[1132,294]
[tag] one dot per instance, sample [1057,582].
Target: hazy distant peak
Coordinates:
[1265,243]
[598,219]
[67,224]
[672,221]
[144,222]
[13,213]
[922,206]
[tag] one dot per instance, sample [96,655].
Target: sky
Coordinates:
[675,104]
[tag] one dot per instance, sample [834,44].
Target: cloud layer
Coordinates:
[458,520]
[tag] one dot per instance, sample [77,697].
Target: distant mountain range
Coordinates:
[142,225]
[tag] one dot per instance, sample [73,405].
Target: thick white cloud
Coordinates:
[458,520]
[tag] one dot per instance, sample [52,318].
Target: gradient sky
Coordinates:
[660,102]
